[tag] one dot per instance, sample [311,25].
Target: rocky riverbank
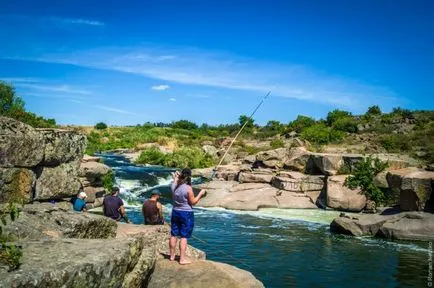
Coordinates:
[43,169]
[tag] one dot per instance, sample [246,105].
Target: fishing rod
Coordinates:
[239,132]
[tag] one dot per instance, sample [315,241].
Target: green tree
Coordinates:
[100,126]
[10,103]
[10,254]
[184,124]
[363,176]
[321,134]
[335,115]
[374,110]
[243,119]
[301,123]
[346,124]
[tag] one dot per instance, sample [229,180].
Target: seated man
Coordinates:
[152,209]
[113,206]
[79,202]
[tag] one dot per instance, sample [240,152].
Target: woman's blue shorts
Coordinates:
[182,223]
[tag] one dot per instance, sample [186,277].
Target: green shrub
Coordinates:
[396,143]
[108,181]
[184,124]
[335,115]
[277,143]
[363,176]
[151,156]
[301,123]
[10,254]
[346,124]
[321,134]
[188,157]
[374,110]
[100,126]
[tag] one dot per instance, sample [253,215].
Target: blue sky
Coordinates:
[129,62]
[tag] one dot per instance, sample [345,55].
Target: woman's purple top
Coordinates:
[180,197]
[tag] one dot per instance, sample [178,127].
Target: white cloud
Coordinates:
[14,80]
[225,71]
[116,110]
[82,22]
[172,99]
[53,88]
[160,87]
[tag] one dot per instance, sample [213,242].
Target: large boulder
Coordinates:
[16,184]
[201,274]
[273,158]
[297,159]
[76,263]
[298,182]
[415,186]
[47,221]
[20,144]
[327,164]
[210,150]
[292,200]
[93,170]
[94,193]
[412,226]
[62,146]
[399,226]
[343,198]
[57,182]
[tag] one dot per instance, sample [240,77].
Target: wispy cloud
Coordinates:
[53,88]
[116,110]
[226,71]
[82,22]
[19,80]
[172,99]
[160,87]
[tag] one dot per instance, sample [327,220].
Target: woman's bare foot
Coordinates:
[172,258]
[184,261]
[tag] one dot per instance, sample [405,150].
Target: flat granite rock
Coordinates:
[201,274]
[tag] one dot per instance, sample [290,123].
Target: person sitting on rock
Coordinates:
[113,206]
[153,210]
[79,202]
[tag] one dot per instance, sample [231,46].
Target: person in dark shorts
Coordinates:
[113,206]
[153,210]
[182,220]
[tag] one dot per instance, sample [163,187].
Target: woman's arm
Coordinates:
[160,210]
[193,200]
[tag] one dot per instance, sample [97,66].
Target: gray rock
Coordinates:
[380,180]
[16,184]
[328,164]
[415,186]
[76,263]
[201,274]
[94,193]
[256,176]
[210,150]
[272,158]
[412,226]
[57,182]
[20,144]
[93,170]
[62,146]
[298,182]
[47,221]
[343,198]
[297,160]
[249,159]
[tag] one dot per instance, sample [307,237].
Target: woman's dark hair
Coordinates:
[184,177]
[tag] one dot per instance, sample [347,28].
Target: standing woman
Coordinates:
[182,221]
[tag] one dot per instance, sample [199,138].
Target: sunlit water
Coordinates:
[283,248]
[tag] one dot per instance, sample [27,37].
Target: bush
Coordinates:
[363,176]
[108,181]
[184,124]
[346,124]
[151,156]
[396,143]
[100,126]
[374,110]
[11,105]
[301,123]
[321,134]
[335,115]
[10,254]
[277,143]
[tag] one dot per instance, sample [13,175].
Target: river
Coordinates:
[282,248]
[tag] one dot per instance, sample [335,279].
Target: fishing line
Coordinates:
[239,132]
